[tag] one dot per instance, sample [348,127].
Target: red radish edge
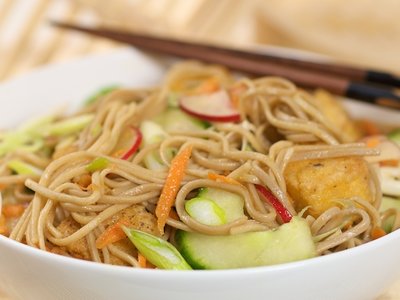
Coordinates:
[216,101]
[135,146]
[285,215]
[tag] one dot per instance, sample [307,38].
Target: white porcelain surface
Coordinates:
[27,273]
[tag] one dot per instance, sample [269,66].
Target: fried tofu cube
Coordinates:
[320,183]
[136,216]
[337,115]
[79,248]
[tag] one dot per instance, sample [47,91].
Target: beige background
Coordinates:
[362,32]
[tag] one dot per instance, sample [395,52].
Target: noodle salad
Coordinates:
[205,171]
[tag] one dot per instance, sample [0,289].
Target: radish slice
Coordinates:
[215,107]
[129,143]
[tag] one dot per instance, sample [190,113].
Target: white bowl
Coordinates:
[27,273]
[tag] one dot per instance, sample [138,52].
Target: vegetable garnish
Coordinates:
[205,211]
[31,136]
[142,260]
[69,126]
[207,86]
[3,225]
[97,164]
[389,163]
[159,252]
[372,142]
[390,181]
[135,145]
[23,168]
[13,210]
[171,186]
[284,214]
[235,92]
[102,92]
[388,150]
[377,232]
[112,234]
[395,136]
[215,107]
[369,127]
[222,178]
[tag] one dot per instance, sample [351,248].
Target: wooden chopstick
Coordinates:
[336,79]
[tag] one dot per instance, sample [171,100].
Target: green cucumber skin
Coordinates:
[180,240]
[291,242]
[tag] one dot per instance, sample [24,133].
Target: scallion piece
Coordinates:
[159,252]
[70,126]
[102,92]
[22,168]
[97,164]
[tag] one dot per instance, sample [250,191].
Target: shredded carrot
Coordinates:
[142,261]
[234,93]
[208,86]
[222,178]
[389,163]
[171,186]
[84,181]
[369,128]
[377,232]
[112,234]
[3,225]
[173,214]
[119,153]
[13,210]
[372,142]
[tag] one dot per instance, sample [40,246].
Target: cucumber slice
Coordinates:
[387,203]
[205,211]
[152,133]
[290,242]
[173,119]
[232,204]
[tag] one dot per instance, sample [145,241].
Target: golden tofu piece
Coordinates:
[318,183]
[78,249]
[137,217]
[337,115]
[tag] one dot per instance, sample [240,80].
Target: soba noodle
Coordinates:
[280,124]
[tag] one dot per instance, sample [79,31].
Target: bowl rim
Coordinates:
[128,270]
[203,274]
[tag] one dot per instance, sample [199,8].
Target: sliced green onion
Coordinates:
[70,126]
[34,127]
[173,100]
[156,250]
[23,168]
[97,164]
[102,92]
[19,140]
